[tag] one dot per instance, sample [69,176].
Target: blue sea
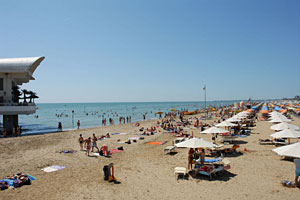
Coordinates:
[47,116]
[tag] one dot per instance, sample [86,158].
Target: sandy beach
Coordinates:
[143,170]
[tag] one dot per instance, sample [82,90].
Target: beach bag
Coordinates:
[120,148]
[101,153]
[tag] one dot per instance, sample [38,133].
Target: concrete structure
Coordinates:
[15,72]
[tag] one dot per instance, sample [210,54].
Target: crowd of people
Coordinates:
[90,144]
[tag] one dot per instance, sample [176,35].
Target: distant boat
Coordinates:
[134,107]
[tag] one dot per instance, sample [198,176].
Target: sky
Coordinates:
[158,50]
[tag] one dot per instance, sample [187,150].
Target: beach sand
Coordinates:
[143,170]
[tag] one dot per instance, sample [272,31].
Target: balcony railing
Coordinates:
[17,104]
[17,108]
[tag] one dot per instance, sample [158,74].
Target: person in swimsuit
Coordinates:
[190,158]
[81,141]
[94,143]
[88,145]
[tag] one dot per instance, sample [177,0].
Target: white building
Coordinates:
[15,72]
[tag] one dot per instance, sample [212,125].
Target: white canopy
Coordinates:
[215,130]
[292,150]
[195,143]
[226,123]
[284,125]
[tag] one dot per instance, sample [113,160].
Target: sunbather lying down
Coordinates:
[17,180]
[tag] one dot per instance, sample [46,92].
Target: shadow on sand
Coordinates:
[224,176]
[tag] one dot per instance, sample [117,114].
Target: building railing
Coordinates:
[17,104]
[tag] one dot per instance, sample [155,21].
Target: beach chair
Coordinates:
[169,149]
[265,142]
[179,171]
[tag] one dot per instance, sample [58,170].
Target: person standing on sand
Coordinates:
[81,141]
[88,145]
[78,124]
[94,143]
[190,158]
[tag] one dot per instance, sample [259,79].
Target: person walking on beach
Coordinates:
[81,141]
[88,146]
[94,143]
[78,124]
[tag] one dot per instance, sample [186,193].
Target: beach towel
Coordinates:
[53,168]
[123,133]
[122,141]
[134,138]
[115,133]
[210,160]
[115,150]
[157,143]
[240,135]
[67,151]
[32,178]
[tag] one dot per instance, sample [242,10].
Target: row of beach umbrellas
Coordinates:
[201,143]
[285,130]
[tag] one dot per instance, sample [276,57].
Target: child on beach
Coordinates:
[88,145]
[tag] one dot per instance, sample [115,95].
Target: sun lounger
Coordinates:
[180,171]
[169,149]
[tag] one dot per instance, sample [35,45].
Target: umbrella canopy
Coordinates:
[292,150]
[196,143]
[234,119]
[215,130]
[287,133]
[284,125]
[173,110]
[159,112]
[279,120]
[225,124]
[264,111]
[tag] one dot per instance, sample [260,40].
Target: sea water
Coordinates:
[48,115]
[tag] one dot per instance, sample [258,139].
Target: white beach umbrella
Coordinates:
[234,119]
[279,116]
[284,125]
[287,133]
[226,124]
[279,120]
[196,143]
[215,130]
[292,150]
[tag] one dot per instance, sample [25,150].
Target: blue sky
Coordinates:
[158,50]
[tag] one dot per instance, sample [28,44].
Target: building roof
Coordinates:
[23,66]
[20,65]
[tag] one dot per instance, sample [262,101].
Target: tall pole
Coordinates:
[204,96]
